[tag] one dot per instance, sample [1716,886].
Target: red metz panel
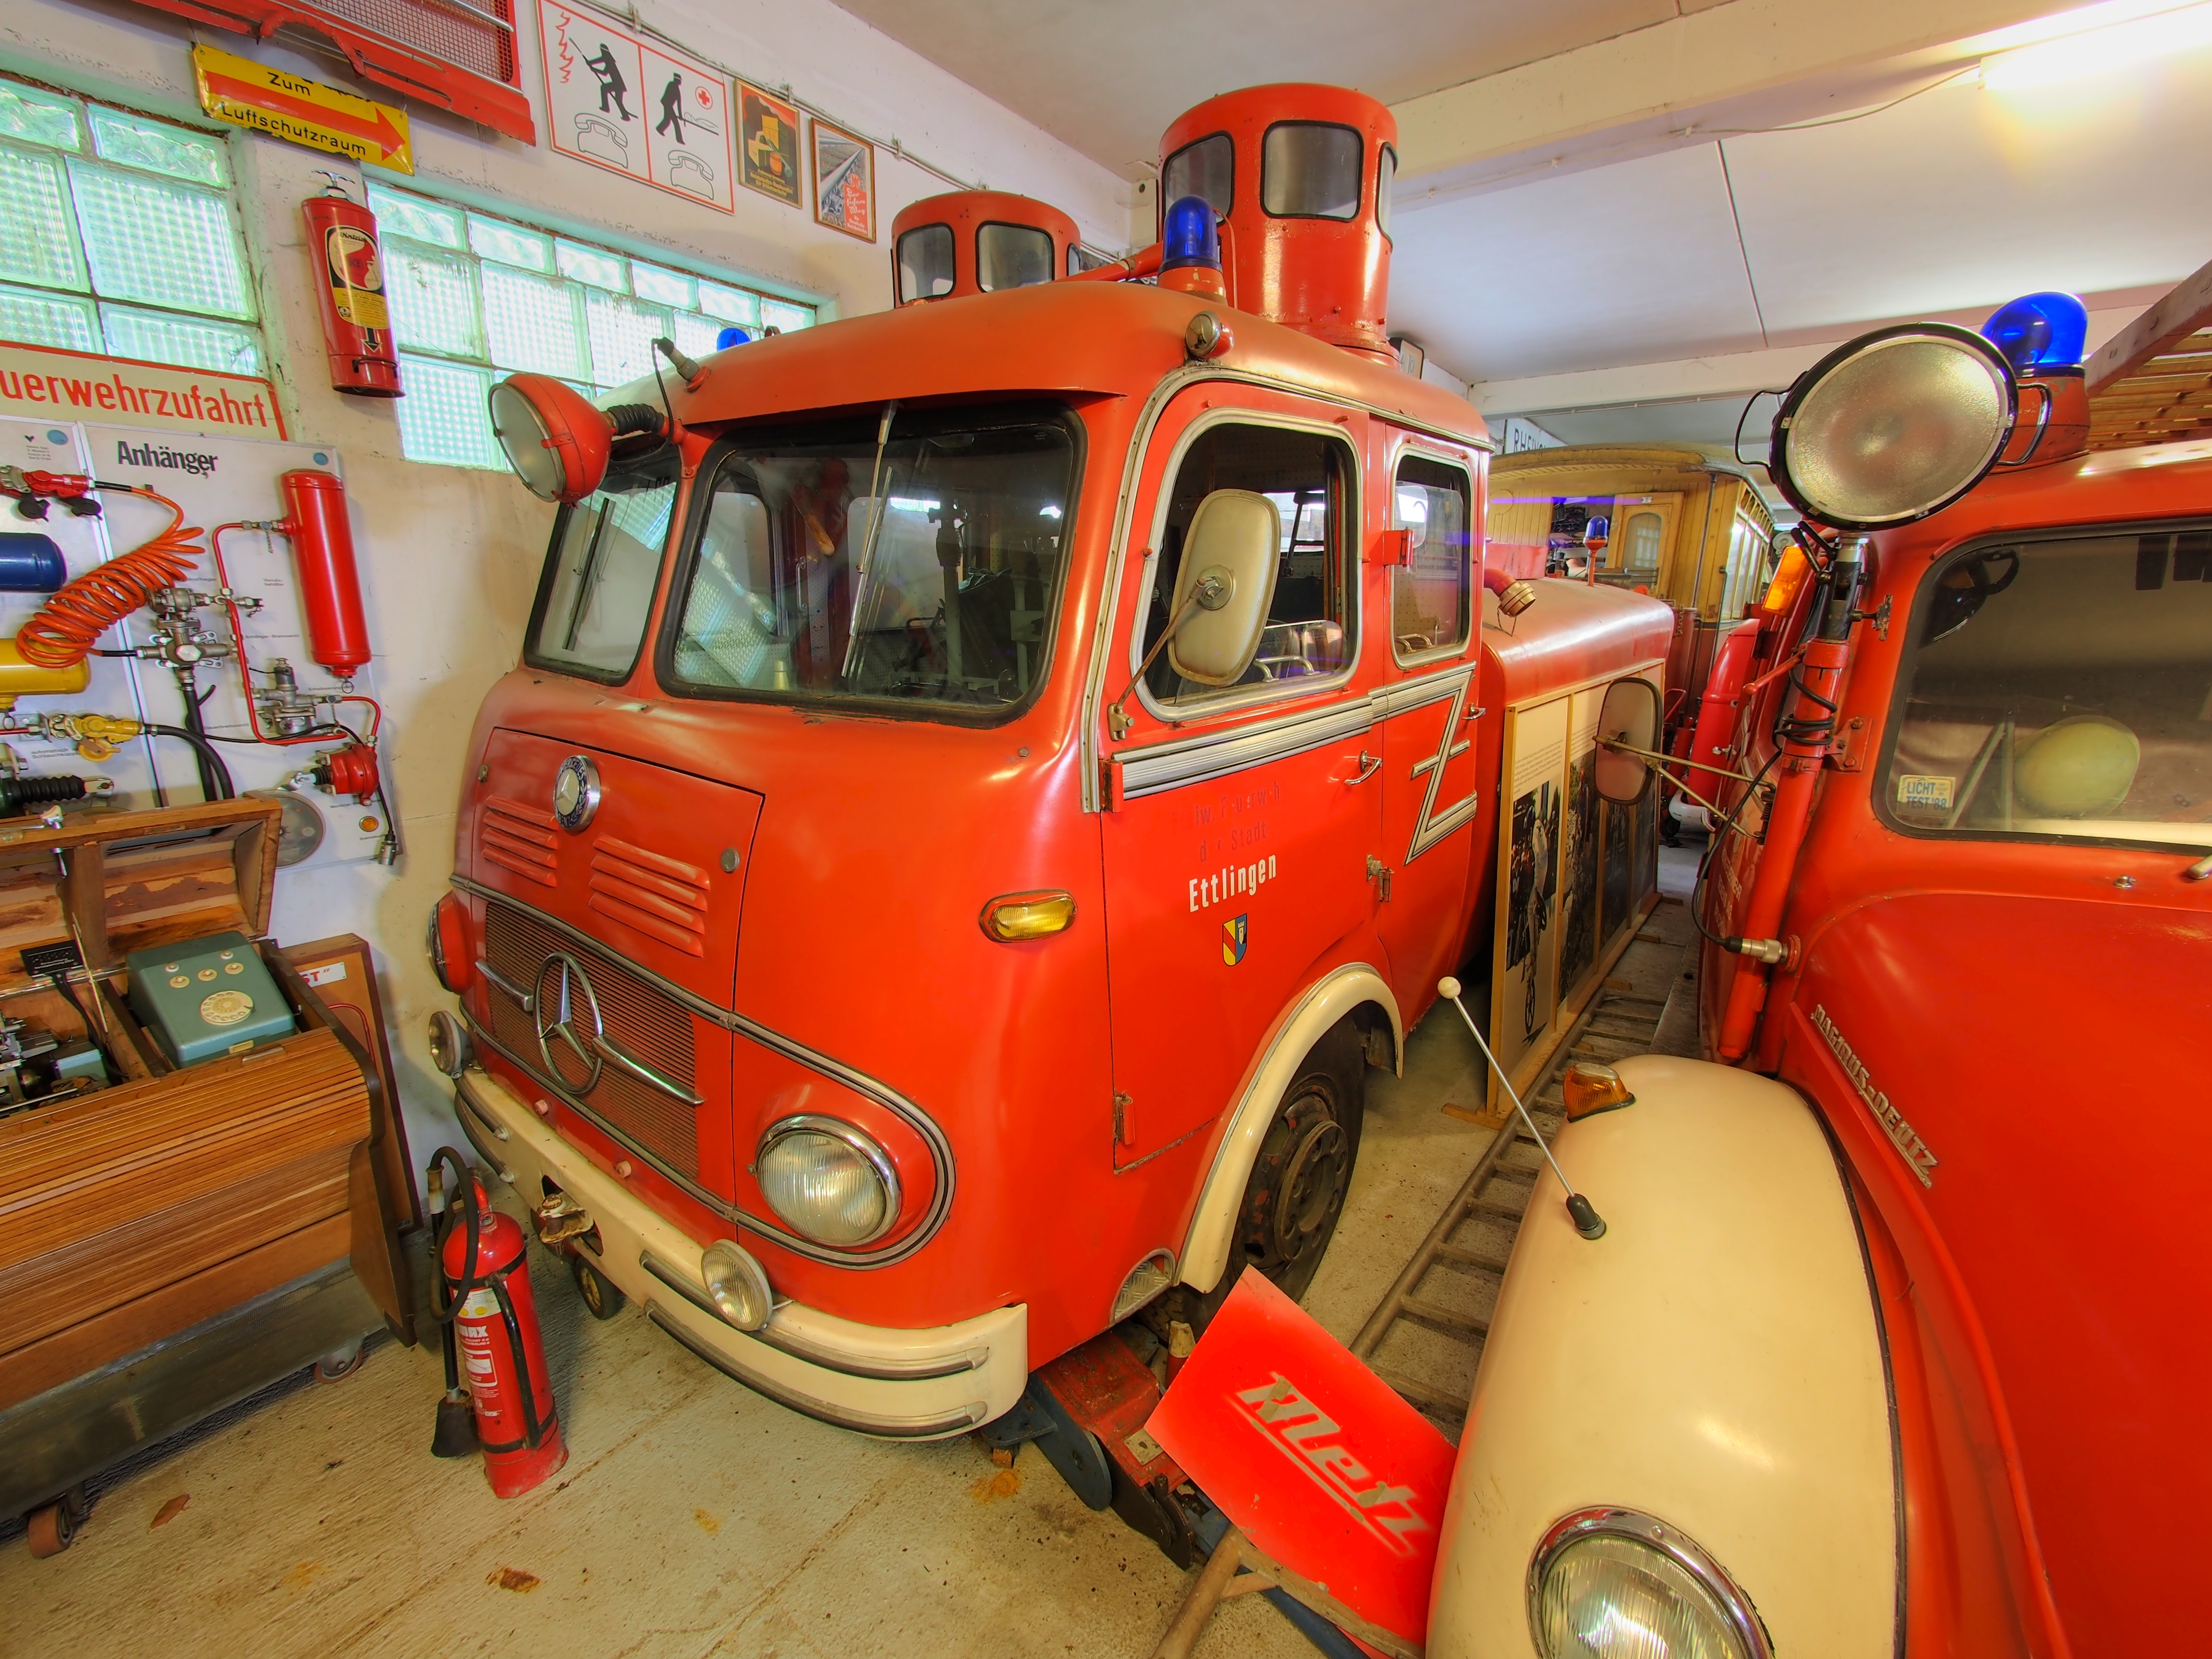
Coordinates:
[1314,1456]
[459,54]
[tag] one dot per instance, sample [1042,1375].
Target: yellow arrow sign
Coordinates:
[291,106]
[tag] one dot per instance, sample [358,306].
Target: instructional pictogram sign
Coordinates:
[291,106]
[636,107]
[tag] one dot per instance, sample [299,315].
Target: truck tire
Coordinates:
[1296,1190]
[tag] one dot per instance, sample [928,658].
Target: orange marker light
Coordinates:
[1015,917]
[1590,1088]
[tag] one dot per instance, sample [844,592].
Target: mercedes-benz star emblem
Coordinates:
[575,792]
[568,1014]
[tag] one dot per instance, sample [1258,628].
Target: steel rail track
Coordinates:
[1621,1020]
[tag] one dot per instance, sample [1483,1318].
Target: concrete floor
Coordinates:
[694,1517]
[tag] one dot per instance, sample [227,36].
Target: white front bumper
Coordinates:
[901,1384]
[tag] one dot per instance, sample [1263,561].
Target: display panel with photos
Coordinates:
[1574,875]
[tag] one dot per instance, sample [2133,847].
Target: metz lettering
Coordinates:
[1311,1439]
[1206,891]
[1902,1135]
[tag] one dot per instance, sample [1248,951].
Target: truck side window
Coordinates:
[1432,597]
[1311,626]
[597,591]
[2060,688]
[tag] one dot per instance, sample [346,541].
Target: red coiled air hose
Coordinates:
[62,633]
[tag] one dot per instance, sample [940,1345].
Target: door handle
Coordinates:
[1368,766]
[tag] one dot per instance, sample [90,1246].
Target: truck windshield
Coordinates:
[2059,689]
[935,587]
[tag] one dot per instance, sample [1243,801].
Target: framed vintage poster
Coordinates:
[844,181]
[636,108]
[1526,979]
[768,144]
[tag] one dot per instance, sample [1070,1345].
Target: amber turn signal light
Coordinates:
[1590,1088]
[1014,916]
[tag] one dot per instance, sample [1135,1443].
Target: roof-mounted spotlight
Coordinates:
[556,439]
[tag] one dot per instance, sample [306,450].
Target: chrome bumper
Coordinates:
[899,1384]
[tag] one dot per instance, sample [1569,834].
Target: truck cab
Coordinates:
[983,782]
[1920,1386]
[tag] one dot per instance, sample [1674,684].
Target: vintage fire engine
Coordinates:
[984,782]
[1894,1342]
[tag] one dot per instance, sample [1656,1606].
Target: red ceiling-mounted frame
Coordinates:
[457,54]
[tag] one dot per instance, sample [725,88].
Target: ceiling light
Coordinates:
[2129,37]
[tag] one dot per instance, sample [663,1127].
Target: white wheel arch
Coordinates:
[1205,1253]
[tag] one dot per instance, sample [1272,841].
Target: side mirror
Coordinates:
[1225,586]
[556,439]
[1630,717]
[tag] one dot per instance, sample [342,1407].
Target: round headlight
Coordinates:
[828,1180]
[451,1051]
[737,1285]
[1609,1583]
[1893,425]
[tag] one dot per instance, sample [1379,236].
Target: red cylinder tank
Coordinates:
[977,241]
[502,1355]
[329,588]
[349,284]
[1302,174]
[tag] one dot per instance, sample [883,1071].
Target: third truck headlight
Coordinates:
[829,1181]
[1619,1584]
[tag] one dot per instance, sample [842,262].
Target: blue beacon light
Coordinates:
[2040,333]
[1189,236]
[732,335]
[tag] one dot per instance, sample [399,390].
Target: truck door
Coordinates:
[1240,819]
[1426,708]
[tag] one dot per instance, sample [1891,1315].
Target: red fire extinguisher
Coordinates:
[350,277]
[485,1293]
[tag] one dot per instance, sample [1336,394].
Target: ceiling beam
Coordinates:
[1725,374]
[1745,63]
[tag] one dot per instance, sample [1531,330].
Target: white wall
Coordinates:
[452,556]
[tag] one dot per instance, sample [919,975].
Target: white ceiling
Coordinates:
[1108,78]
[1952,200]
[1955,200]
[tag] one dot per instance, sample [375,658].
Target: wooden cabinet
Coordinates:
[135,1215]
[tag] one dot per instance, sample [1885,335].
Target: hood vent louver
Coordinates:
[663,898]
[519,838]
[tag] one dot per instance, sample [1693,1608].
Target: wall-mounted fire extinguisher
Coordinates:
[349,278]
[483,1295]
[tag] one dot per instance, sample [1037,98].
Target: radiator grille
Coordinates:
[661,897]
[644,1019]
[523,839]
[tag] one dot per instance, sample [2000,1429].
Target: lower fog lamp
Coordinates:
[829,1182]
[1610,1584]
[737,1285]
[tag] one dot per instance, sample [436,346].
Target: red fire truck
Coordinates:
[1895,1340]
[985,780]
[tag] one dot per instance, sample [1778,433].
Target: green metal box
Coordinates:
[207,998]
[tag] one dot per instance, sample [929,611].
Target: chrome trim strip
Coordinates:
[525,1000]
[676,1282]
[1432,827]
[923,1371]
[1108,593]
[940,1147]
[608,1049]
[467,1120]
[1163,766]
[888,1428]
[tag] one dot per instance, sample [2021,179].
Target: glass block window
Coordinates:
[118,234]
[474,297]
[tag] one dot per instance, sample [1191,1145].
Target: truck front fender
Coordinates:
[1714,1362]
